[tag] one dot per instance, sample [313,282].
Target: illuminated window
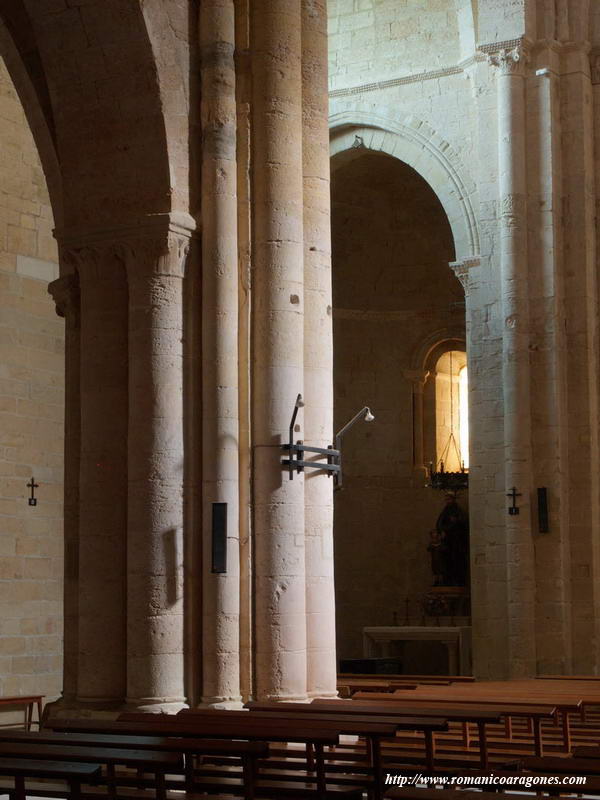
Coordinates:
[451,411]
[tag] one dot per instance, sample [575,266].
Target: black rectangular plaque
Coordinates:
[219,538]
[543,524]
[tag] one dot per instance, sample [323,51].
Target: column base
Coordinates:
[323,696]
[226,703]
[152,705]
[75,708]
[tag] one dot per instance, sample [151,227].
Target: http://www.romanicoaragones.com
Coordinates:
[395,778]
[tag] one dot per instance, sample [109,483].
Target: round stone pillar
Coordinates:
[155,675]
[512,185]
[103,476]
[65,293]
[220,427]
[318,353]
[278,327]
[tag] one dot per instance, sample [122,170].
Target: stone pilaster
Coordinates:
[155,601]
[278,305]
[220,429]
[318,353]
[512,186]
[65,293]
[103,475]
[417,378]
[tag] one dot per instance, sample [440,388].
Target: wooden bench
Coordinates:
[158,763]
[559,696]
[248,753]
[427,726]
[257,730]
[464,713]
[373,729]
[28,703]
[504,708]
[21,770]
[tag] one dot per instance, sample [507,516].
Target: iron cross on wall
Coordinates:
[33,486]
[513,494]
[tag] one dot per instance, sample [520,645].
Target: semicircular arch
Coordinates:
[419,146]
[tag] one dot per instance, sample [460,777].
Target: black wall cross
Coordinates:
[513,494]
[33,486]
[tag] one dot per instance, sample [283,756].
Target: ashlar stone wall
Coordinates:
[31,417]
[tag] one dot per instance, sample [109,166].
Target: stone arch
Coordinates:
[418,145]
[116,78]
[435,345]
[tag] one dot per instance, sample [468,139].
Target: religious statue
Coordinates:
[449,545]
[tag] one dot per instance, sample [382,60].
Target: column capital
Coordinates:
[462,268]
[153,256]
[65,293]
[510,58]
[417,377]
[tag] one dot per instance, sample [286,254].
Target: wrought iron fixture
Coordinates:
[295,451]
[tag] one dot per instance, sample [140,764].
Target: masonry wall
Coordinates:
[31,417]
[394,295]
[501,128]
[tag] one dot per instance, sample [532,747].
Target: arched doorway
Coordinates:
[396,306]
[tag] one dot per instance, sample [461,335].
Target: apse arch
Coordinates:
[420,147]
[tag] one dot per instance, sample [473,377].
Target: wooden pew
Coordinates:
[28,703]
[248,753]
[372,729]
[456,712]
[505,708]
[156,762]
[427,726]
[516,692]
[20,770]
[257,730]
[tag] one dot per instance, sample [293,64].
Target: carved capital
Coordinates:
[513,209]
[99,261]
[462,268]
[151,257]
[417,377]
[510,61]
[65,293]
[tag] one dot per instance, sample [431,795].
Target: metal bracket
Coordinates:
[296,461]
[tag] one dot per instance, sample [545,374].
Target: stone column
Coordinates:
[318,353]
[278,300]
[220,429]
[65,293]
[103,475]
[244,220]
[550,359]
[417,378]
[155,269]
[512,185]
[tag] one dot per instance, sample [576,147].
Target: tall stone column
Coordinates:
[278,300]
[550,360]
[65,293]
[103,475]
[220,429]
[512,185]
[318,353]
[155,675]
